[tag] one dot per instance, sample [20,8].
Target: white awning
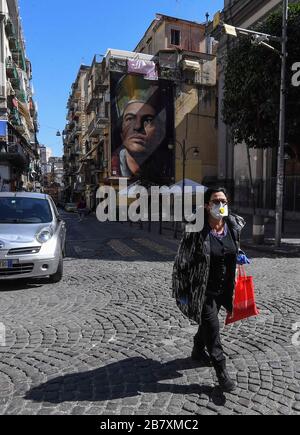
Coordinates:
[191,64]
[122,54]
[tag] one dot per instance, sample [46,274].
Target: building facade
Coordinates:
[187,57]
[233,166]
[172,71]
[94,160]
[19,151]
[74,146]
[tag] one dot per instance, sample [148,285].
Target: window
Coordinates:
[175,37]
[54,208]
[22,210]
[149,42]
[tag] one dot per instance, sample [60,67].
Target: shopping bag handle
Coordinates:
[242,271]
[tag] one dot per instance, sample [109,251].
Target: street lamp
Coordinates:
[184,153]
[280,163]
[259,38]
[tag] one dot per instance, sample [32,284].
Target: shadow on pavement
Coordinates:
[21,284]
[123,379]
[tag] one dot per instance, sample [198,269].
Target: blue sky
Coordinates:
[62,34]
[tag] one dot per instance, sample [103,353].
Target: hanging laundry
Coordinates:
[144,67]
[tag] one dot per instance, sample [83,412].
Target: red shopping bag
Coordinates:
[244,305]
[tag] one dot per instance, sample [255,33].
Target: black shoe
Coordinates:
[201,356]
[226,383]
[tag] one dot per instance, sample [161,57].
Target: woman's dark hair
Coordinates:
[208,194]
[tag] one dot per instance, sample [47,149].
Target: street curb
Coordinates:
[289,252]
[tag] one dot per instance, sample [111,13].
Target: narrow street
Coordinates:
[109,340]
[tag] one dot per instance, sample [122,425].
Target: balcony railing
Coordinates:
[15,117]
[91,105]
[18,56]
[10,28]
[11,69]
[15,154]
[78,129]
[100,86]
[21,95]
[13,43]
[77,110]
[97,126]
[76,95]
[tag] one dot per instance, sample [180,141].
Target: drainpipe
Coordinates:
[2,64]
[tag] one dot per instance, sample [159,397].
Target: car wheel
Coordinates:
[57,276]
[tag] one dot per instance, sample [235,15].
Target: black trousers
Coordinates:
[208,334]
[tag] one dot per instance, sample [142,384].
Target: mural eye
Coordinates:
[129,118]
[148,120]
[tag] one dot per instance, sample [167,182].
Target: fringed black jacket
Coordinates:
[191,269]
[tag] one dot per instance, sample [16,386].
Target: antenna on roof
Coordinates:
[208,44]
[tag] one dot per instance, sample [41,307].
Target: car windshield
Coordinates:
[14,210]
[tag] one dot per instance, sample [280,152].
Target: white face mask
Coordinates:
[219,211]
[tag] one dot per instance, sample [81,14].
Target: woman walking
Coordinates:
[81,208]
[204,279]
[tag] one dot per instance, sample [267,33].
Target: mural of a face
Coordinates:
[140,121]
[141,133]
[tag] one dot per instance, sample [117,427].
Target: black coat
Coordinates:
[191,270]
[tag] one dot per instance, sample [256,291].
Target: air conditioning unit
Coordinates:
[191,65]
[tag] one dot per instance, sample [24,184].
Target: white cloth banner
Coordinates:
[147,68]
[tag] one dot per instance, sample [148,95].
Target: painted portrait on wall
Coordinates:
[142,125]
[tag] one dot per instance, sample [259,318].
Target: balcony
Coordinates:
[101,87]
[16,83]
[78,130]
[29,92]
[76,95]
[11,70]
[21,129]
[18,56]
[91,105]
[20,94]
[14,117]
[9,28]
[71,125]
[13,43]
[97,126]
[15,154]
[76,110]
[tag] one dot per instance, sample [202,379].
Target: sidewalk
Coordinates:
[290,246]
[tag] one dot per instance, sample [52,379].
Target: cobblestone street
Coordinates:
[109,339]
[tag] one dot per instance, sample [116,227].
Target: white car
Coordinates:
[32,237]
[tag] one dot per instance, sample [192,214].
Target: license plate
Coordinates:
[7,264]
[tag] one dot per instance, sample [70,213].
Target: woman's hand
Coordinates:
[242,258]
